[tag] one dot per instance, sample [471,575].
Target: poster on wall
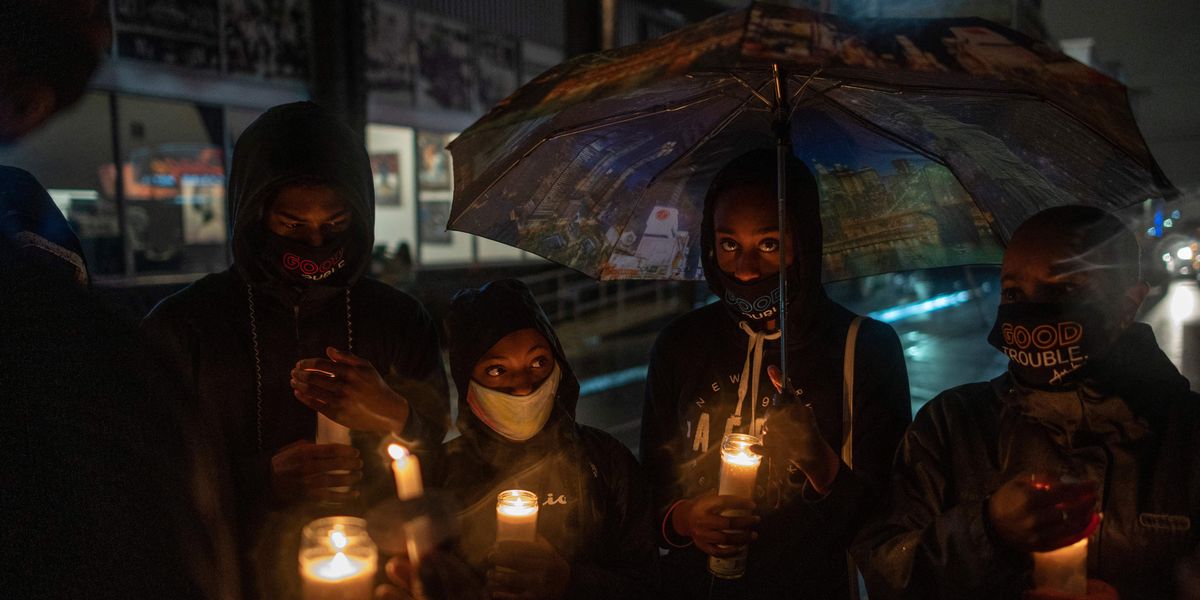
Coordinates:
[385,171]
[266,38]
[433,161]
[389,46]
[433,217]
[181,33]
[445,66]
[497,66]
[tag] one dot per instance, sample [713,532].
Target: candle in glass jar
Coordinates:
[516,516]
[739,471]
[1063,570]
[337,560]
[407,471]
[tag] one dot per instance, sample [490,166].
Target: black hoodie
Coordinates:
[1133,427]
[692,391]
[595,506]
[223,328]
[106,486]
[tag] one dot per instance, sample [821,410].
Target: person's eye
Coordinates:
[494,371]
[768,245]
[1011,294]
[540,362]
[728,245]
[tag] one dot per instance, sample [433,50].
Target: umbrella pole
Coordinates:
[782,148]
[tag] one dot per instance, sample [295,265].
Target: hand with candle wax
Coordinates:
[715,535]
[527,571]
[303,470]
[348,389]
[1036,513]
[791,433]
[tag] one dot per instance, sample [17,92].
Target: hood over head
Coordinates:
[758,167]
[35,232]
[478,318]
[299,143]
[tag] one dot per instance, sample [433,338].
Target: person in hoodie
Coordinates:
[106,486]
[517,396]
[293,329]
[709,376]
[1089,416]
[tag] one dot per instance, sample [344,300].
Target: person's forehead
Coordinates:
[309,199]
[745,202]
[1048,254]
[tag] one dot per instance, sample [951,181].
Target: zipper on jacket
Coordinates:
[296,326]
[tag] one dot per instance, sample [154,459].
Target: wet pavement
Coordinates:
[943,348]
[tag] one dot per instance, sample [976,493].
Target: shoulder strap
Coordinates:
[848,431]
[848,393]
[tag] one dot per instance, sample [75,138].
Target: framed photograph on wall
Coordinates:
[433,217]
[433,161]
[385,171]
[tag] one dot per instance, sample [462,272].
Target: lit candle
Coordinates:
[516,516]
[739,471]
[337,560]
[1063,570]
[331,432]
[407,471]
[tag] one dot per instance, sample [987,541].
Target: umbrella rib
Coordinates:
[752,89]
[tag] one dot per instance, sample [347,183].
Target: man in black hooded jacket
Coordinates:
[1088,396]
[594,513]
[709,376]
[293,329]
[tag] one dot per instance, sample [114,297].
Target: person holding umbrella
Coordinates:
[1090,420]
[708,376]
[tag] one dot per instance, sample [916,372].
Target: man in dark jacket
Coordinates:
[1088,396]
[292,328]
[708,377]
[595,538]
[107,492]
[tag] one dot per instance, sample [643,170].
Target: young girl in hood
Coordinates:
[516,415]
[710,374]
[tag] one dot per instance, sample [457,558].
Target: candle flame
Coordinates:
[338,539]
[742,457]
[398,452]
[338,567]
[517,503]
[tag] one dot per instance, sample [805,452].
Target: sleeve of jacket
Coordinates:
[920,546]
[660,445]
[628,568]
[882,412]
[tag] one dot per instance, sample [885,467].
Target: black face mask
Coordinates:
[756,301]
[1049,345]
[298,263]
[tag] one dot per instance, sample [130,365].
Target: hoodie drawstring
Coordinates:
[751,373]
[258,400]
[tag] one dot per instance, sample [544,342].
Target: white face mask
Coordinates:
[517,418]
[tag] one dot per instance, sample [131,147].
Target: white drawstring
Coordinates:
[751,373]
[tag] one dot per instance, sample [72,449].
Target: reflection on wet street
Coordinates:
[943,327]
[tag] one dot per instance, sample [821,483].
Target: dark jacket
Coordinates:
[227,328]
[595,505]
[105,488]
[692,390]
[1134,429]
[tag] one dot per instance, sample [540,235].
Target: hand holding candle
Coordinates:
[739,471]
[1039,513]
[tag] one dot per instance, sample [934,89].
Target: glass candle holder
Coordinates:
[516,516]
[337,560]
[739,471]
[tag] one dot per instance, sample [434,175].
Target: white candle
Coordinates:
[1063,570]
[337,560]
[739,471]
[407,471]
[332,432]
[516,516]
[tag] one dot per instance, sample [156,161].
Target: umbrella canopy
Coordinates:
[931,140]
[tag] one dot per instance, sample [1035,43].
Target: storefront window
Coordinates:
[172,177]
[67,155]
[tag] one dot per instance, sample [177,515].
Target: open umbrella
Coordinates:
[931,140]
